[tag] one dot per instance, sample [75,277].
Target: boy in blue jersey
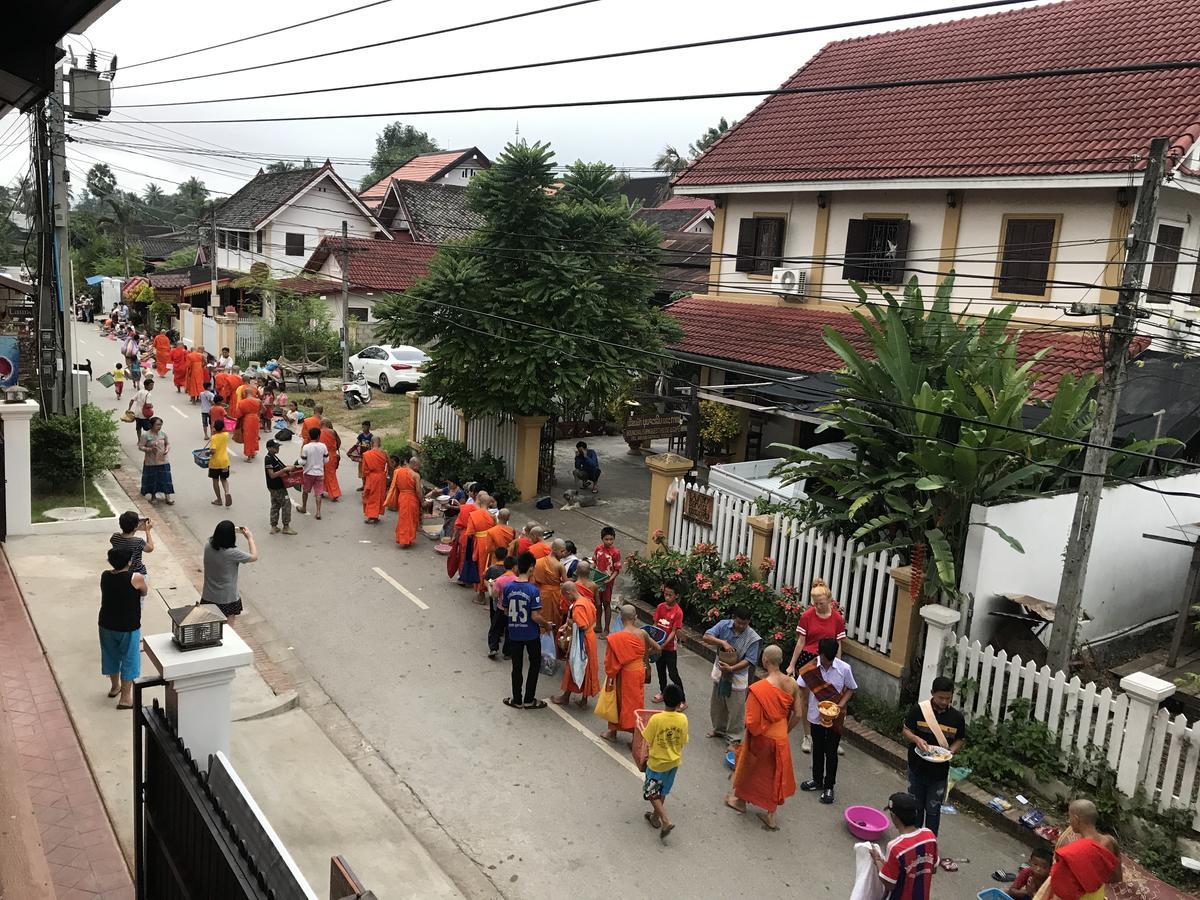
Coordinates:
[521,604]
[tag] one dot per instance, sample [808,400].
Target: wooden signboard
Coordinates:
[698,507]
[647,428]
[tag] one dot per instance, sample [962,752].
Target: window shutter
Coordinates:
[898,235]
[747,230]
[1028,247]
[1166,261]
[856,262]
[770,244]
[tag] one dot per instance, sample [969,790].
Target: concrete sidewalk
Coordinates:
[298,777]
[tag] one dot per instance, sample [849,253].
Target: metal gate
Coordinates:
[546,456]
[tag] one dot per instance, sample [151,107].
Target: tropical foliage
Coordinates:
[394,146]
[936,418]
[671,161]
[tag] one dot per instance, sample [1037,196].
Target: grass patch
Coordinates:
[387,413]
[53,496]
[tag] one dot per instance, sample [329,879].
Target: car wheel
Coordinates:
[383,383]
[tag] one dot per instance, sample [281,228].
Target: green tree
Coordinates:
[153,195]
[574,260]
[181,258]
[671,161]
[709,137]
[394,146]
[280,165]
[935,419]
[101,181]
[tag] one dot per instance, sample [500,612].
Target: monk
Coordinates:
[499,535]
[1085,859]
[248,420]
[548,574]
[763,775]
[454,559]
[374,467]
[195,375]
[405,498]
[241,388]
[162,353]
[313,421]
[479,522]
[330,439]
[536,545]
[583,581]
[581,618]
[179,366]
[625,664]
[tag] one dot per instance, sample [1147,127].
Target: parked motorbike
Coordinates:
[356,393]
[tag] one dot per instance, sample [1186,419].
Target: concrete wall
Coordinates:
[1131,580]
[462,175]
[331,269]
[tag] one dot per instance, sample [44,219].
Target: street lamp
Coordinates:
[198,626]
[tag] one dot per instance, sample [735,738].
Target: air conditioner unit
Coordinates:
[790,282]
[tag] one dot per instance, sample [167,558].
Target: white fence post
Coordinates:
[938,620]
[1145,693]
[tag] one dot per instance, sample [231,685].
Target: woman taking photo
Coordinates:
[221,561]
[156,468]
[120,623]
[819,621]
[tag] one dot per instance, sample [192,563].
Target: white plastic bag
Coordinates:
[577,658]
[549,654]
[867,885]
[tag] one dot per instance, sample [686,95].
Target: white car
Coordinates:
[387,367]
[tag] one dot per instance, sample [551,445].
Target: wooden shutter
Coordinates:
[768,244]
[856,262]
[747,232]
[1166,261]
[1028,247]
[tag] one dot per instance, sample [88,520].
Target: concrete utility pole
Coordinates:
[345,259]
[1118,337]
[214,298]
[62,255]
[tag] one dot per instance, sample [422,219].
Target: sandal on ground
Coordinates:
[652,819]
[536,704]
[657,698]
[508,701]
[767,826]
[228,500]
[217,503]
[949,865]
[737,809]
[666,829]
[124,706]
[114,692]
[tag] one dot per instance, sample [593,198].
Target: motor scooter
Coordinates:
[356,392]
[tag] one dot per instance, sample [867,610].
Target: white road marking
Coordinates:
[600,742]
[401,588]
[180,411]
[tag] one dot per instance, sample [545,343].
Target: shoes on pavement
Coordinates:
[288,529]
[827,795]
[492,654]
[274,529]
[809,785]
[841,750]
[806,745]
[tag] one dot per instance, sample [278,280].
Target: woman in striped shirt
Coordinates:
[129,541]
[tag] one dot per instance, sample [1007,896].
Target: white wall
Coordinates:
[1131,580]
[331,270]
[462,175]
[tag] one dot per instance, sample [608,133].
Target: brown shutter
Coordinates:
[1028,246]
[856,261]
[747,229]
[1166,261]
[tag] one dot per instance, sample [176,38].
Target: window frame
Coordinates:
[1152,264]
[258,241]
[243,242]
[287,243]
[877,217]
[778,259]
[222,239]
[1056,239]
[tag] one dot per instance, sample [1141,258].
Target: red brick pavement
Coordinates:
[77,839]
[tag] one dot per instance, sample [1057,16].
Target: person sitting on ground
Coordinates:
[1030,877]
[1085,858]
[587,466]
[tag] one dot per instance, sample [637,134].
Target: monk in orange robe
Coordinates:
[220,386]
[499,535]
[310,422]
[548,574]
[581,612]
[330,439]
[625,662]
[216,414]
[763,774]
[195,374]
[537,546]
[373,465]
[162,353]
[232,382]
[179,366]
[475,539]
[404,497]
[248,418]
[454,559]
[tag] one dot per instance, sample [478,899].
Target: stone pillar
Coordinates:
[200,690]
[664,469]
[462,436]
[938,621]
[525,466]
[18,493]
[185,319]
[414,399]
[904,630]
[1145,694]
[227,335]
[761,530]
[197,330]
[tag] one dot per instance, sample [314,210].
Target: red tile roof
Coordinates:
[378,265]
[790,338]
[423,167]
[1045,126]
[682,202]
[302,285]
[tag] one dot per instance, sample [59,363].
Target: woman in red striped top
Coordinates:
[820,620]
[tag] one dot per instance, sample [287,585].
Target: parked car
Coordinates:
[387,367]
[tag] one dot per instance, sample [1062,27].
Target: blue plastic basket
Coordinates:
[992,893]
[201,457]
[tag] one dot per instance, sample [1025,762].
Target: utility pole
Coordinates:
[1116,348]
[62,245]
[345,255]
[214,299]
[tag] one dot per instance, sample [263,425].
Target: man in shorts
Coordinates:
[312,457]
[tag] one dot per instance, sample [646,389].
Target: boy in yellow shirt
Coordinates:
[118,377]
[218,462]
[665,734]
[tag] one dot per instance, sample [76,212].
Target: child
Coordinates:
[571,560]
[607,559]
[118,377]
[218,463]
[1029,879]
[665,734]
[363,442]
[207,399]
[668,616]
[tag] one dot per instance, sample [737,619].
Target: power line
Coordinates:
[251,37]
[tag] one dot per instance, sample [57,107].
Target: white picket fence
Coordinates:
[862,585]
[436,417]
[497,434]
[249,341]
[1086,721]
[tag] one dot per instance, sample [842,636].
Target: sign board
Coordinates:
[698,507]
[647,428]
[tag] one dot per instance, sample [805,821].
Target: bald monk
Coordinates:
[625,663]
[405,497]
[549,574]
[537,546]
[475,533]
[162,353]
[580,613]
[310,422]
[330,439]
[1085,859]
[454,559]
[179,366]
[498,536]
[195,375]
[242,388]
[374,466]
[248,416]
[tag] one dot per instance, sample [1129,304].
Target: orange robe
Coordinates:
[162,353]
[216,414]
[403,497]
[332,489]
[195,373]
[241,392]
[546,576]
[763,775]
[539,550]
[477,542]
[232,383]
[309,422]
[248,412]
[583,614]
[179,366]
[485,550]
[374,473]
[624,659]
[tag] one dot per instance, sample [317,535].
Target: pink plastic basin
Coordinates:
[866,822]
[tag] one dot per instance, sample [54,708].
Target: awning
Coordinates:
[95,279]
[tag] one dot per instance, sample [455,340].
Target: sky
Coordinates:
[626,136]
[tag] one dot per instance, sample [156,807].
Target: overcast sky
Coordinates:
[627,136]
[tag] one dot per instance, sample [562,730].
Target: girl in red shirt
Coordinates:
[820,620]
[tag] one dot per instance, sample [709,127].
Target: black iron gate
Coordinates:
[546,456]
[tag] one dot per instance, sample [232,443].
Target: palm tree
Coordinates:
[670,161]
[709,137]
[153,195]
[280,165]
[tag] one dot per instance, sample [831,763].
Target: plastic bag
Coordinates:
[549,654]
[606,703]
[867,885]
[577,657]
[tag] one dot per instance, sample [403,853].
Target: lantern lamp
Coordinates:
[198,626]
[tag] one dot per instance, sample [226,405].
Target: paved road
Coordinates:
[532,796]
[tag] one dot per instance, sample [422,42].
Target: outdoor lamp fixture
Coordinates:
[822,200]
[196,627]
[951,199]
[15,394]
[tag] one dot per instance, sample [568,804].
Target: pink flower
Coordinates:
[659,536]
[756,586]
[712,612]
[741,559]
[767,564]
[678,570]
[778,636]
[735,576]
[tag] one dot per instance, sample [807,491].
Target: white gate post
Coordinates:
[938,620]
[1145,694]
